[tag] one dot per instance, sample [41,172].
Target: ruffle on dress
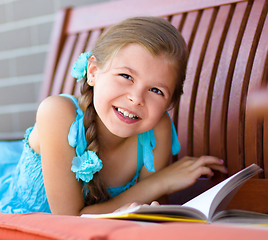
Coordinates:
[146,145]
[25,192]
[147,142]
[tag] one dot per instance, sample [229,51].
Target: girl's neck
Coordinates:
[108,140]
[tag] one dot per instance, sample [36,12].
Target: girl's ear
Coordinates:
[92,70]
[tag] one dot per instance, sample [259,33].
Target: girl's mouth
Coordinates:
[126,114]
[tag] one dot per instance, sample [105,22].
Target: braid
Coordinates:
[89,118]
[96,190]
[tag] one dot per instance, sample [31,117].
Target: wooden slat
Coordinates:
[189,28]
[206,83]
[89,46]
[63,65]
[77,89]
[177,21]
[265,147]
[222,84]
[253,126]
[113,12]
[188,31]
[70,82]
[185,127]
[93,39]
[252,196]
[235,120]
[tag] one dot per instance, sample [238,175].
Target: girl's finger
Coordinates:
[203,170]
[206,161]
[155,203]
[220,168]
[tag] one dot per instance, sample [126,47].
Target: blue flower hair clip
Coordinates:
[79,69]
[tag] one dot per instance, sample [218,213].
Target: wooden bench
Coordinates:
[228,47]
[228,59]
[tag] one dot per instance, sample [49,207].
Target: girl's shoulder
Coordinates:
[54,117]
[57,113]
[166,135]
[57,106]
[163,129]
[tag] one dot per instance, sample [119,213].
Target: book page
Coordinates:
[168,210]
[217,198]
[113,214]
[203,201]
[241,217]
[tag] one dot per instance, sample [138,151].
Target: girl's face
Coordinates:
[132,91]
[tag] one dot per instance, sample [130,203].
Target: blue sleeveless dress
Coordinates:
[21,180]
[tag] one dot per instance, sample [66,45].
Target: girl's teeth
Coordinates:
[126,113]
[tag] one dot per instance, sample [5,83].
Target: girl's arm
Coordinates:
[175,177]
[54,118]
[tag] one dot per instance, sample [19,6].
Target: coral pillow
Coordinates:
[43,226]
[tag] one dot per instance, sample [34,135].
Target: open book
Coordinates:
[206,207]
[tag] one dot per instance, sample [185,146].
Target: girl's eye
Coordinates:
[157,91]
[126,76]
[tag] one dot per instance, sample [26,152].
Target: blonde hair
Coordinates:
[156,35]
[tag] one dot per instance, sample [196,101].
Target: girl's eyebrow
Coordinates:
[165,87]
[129,69]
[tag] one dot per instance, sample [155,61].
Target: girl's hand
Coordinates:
[186,171]
[135,204]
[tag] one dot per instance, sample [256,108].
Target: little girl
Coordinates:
[111,146]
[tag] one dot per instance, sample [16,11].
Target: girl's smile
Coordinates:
[126,116]
[132,91]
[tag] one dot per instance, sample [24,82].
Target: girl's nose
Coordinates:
[136,97]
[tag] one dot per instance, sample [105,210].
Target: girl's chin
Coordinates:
[122,134]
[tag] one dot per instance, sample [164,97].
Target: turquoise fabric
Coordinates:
[21,179]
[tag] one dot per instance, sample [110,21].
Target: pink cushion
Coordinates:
[189,231]
[47,226]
